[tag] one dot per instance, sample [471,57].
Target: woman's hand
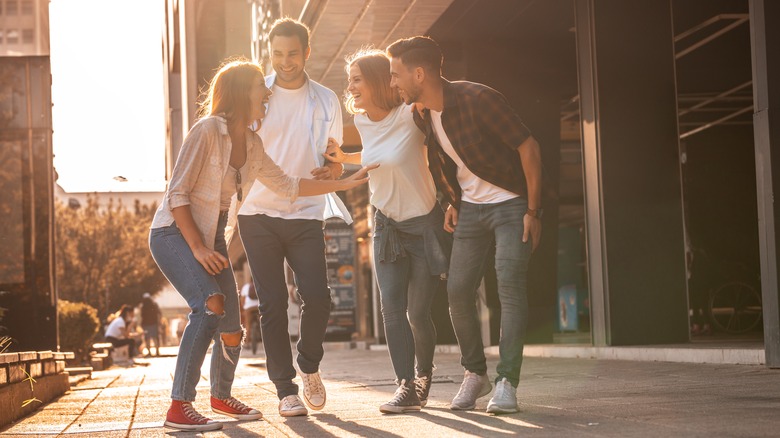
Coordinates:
[334,153]
[359,177]
[362,173]
[212,261]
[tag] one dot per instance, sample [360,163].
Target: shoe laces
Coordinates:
[421,383]
[291,402]
[313,384]
[501,388]
[192,414]
[236,404]
[470,383]
[402,392]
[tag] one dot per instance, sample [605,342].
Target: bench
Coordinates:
[100,355]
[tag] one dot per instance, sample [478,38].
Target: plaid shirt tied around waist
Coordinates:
[485,133]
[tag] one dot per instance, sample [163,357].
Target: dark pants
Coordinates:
[116,342]
[268,241]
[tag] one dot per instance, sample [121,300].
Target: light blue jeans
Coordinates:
[480,229]
[191,280]
[406,289]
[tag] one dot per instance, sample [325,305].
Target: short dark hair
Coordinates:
[290,27]
[125,310]
[417,51]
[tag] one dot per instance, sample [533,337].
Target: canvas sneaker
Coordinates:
[313,390]
[234,408]
[291,406]
[182,416]
[404,400]
[473,387]
[422,385]
[504,401]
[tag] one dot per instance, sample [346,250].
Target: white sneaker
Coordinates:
[313,390]
[291,406]
[504,401]
[473,387]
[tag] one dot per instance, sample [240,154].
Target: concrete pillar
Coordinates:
[765,42]
[633,194]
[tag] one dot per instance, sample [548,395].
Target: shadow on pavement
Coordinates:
[471,422]
[349,426]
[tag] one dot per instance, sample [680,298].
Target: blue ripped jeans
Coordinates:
[191,280]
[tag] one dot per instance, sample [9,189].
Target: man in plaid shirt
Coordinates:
[488,168]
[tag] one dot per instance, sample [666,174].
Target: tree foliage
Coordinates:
[103,256]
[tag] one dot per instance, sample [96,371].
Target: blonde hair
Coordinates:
[375,68]
[228,92]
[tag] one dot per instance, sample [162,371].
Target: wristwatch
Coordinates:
[537,213]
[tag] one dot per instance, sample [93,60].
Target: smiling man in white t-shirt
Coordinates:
[301,115]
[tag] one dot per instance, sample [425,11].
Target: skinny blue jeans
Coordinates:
[406,291]
[195,285]
[480,229]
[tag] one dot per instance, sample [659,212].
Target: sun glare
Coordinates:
[107,94]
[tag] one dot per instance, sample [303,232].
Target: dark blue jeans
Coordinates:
[268,241]
[480,226]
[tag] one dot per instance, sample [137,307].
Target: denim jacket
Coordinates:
[437,242]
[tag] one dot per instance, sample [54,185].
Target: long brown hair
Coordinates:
[375,69]
[228,92]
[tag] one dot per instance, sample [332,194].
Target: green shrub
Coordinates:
[78,326]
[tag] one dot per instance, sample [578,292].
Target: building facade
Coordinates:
[658,127]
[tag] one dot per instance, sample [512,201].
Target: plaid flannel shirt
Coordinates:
[485,133]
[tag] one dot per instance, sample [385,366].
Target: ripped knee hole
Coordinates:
[232,339]
[215,303]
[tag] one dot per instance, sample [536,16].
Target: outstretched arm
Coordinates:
[334,154]
[311,187]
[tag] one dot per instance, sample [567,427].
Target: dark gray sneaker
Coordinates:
[422,385]
[404,400]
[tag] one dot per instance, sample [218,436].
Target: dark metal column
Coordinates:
[766,126]
[633,192]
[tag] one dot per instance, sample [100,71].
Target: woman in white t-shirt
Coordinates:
[117,332]
[411,249]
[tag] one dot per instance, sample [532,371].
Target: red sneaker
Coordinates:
[234,408]
[182,416]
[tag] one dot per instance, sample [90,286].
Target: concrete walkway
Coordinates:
[559,397]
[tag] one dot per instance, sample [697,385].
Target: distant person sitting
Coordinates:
[117,333]
[150,323]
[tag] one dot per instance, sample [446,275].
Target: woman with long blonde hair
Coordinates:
[219,159]
[411,249]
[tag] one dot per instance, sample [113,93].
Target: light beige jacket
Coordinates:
[200,168]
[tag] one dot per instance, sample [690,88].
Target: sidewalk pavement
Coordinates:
[558,397]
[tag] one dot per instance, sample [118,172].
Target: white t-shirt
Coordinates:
[248,302]
[228,189]
[115,328]
[402,187]
[289,146]
[474,189]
